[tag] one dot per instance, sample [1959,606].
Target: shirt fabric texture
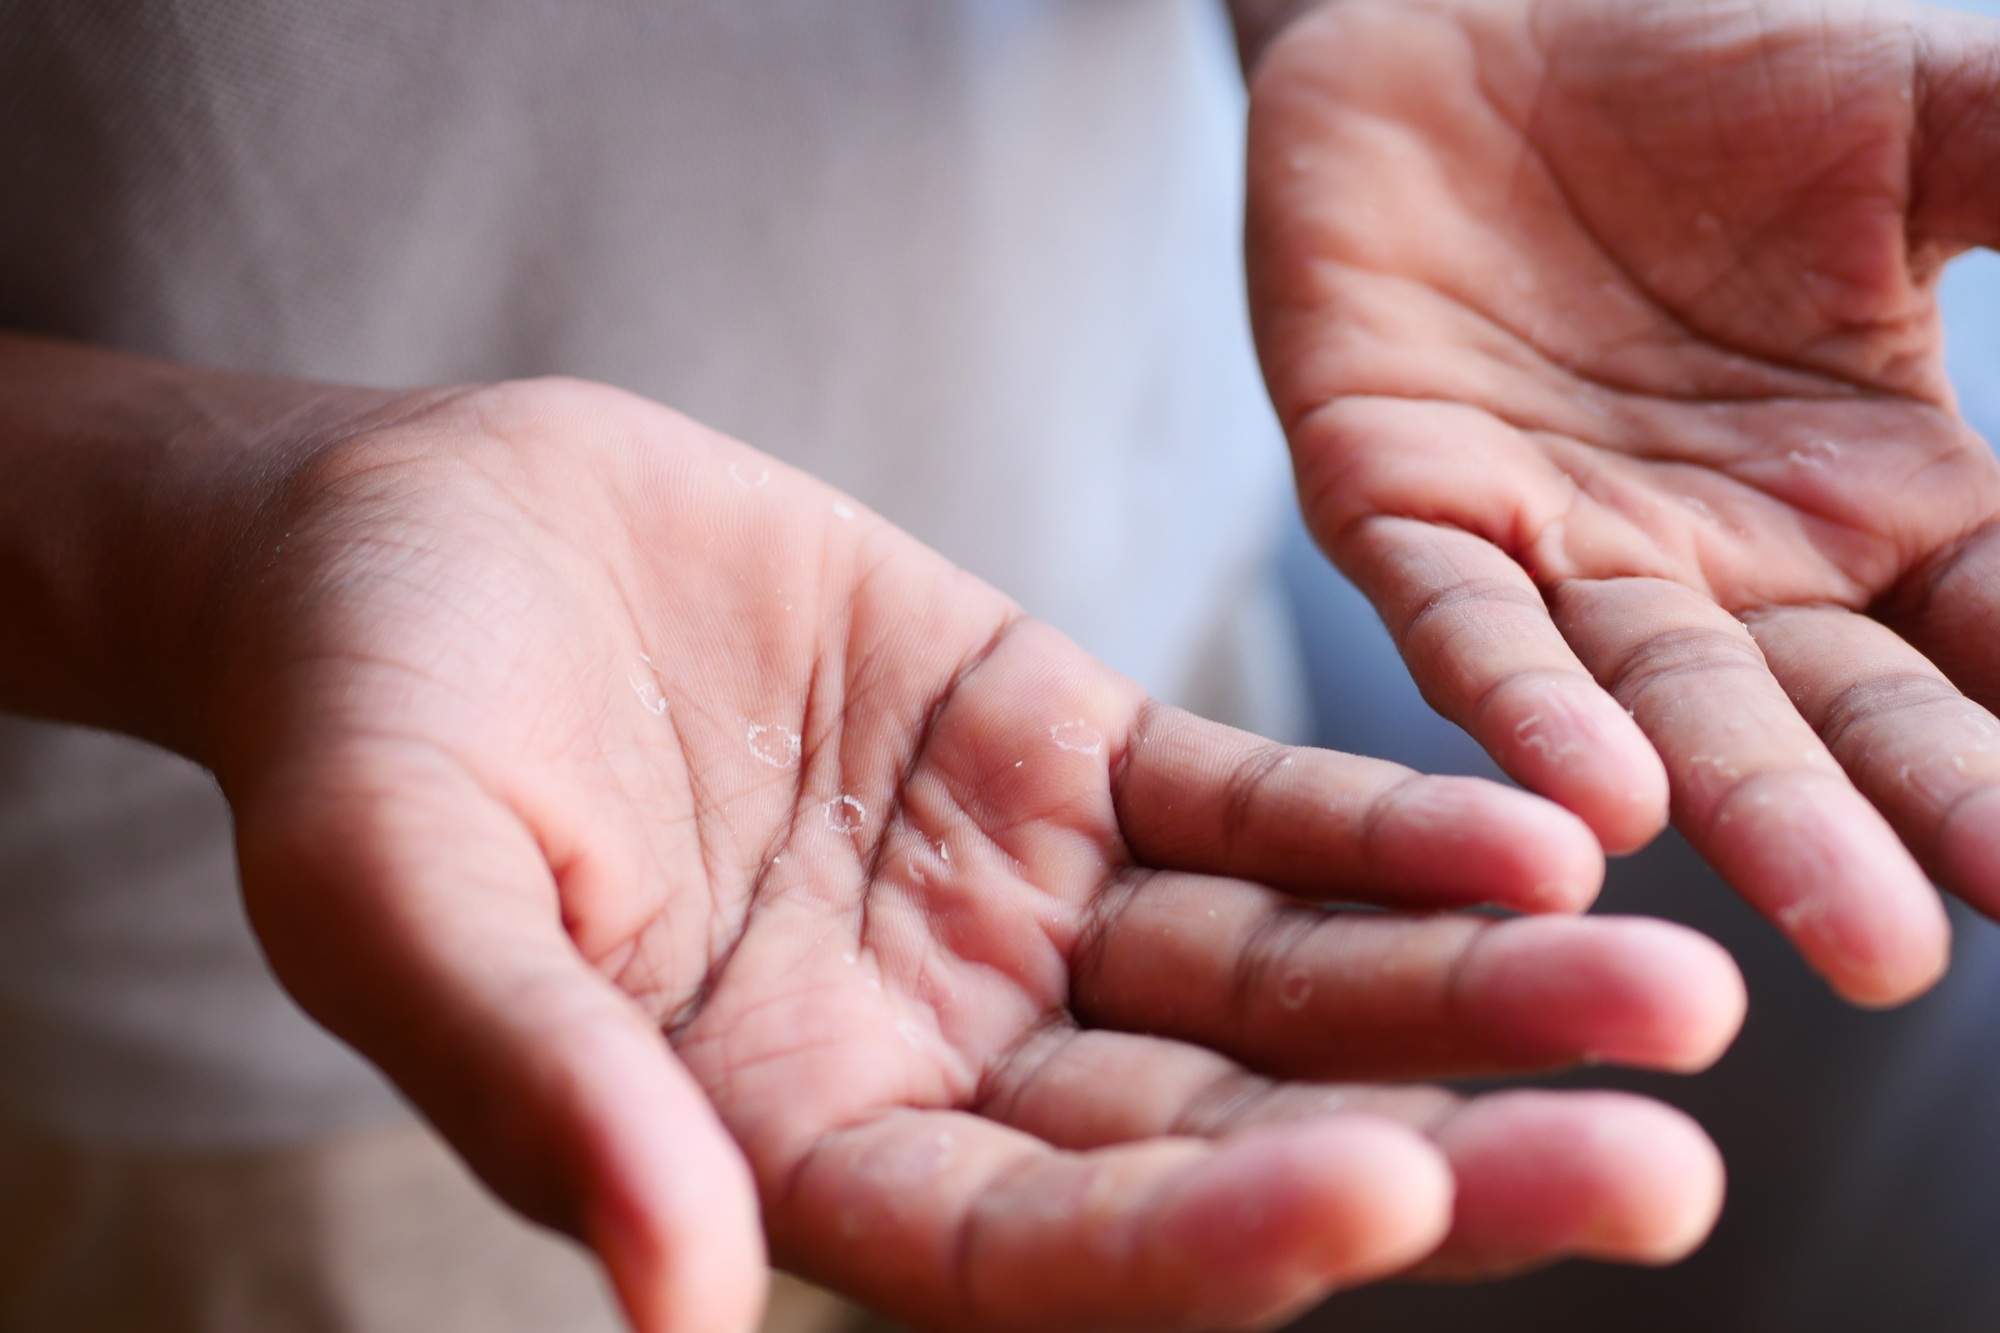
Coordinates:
[974,261]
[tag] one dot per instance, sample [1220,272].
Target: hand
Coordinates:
[554,723]
[1606,340]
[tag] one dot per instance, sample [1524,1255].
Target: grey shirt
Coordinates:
[973,260]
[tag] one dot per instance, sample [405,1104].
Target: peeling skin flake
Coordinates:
[774,745]
[844,814]
[642,683]
[749,475]
[1077,736]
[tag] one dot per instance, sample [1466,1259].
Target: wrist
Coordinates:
[135,495]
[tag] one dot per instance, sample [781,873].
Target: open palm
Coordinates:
[555,725]
[1606,339]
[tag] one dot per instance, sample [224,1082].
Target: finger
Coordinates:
[1927,756]
[1756,792]
[1545,1175]
[1948,609]
[1477,636]
[947,1219]
[1195,795]
[418,919]
[1540,1176]
[1957,155]
[1296,991]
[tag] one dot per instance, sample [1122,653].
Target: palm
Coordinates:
[1628,310]
[569,724]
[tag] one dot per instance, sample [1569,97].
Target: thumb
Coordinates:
[417,917]
[1955,174]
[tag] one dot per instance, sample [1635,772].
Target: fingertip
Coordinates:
[1564,866]
[1639,992]
[1878,945]
[1382,1193]
[1969,850]
[1606,1175]
[1672,1190]
[1571,742]
[1817,859]
[1712,996]
[1284,1214]
[1474,841]
[1886,972]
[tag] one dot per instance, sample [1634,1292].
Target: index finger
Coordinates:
[1196,795]
[1477,636]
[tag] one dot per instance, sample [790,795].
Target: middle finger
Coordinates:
[1300,992]
[1754,789]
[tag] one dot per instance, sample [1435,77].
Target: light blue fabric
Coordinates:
[1971,299]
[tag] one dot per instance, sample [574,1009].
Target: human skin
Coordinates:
[711,862]
[1606,338]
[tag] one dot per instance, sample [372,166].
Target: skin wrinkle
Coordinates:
[1086,957]
[1246,780]
[1315,494]
[1911,599]
[1567,198]
[690,1011]
[1222,1103]
[1557,676]
[1670,656]
[1721,807]
[1020,1067]
[1379,811]
[1120,766]
[1448,601]
[784,1195]
[1657,305]
[710,882]
[1866,702]
[1532,543]
[1454,998]
[1271,942]
[970,1231]
[1798,378]
[921,744]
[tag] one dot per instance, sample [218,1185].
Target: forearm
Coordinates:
[127,488]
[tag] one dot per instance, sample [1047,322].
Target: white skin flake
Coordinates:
[774,745]
[844,814]
[1533,734]
[1802,915]
[642,683]
[1078,737]
[842,509]
[1718,765]
[1816,455]
[749,475]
